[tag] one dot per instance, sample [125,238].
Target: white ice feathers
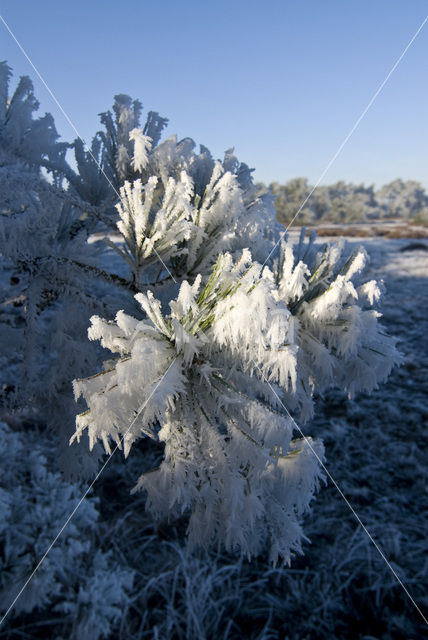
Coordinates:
[191,380]
[220,377]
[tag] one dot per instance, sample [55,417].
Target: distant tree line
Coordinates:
[344,202]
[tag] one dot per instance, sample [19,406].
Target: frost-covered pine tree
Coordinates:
[226,353]
[213,353]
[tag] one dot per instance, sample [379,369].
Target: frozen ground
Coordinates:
[386,228]
[341,588]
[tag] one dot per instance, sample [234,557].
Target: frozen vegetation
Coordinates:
[347,203]
[226,364]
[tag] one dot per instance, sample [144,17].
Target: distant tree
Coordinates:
[400,199]
[347,203]
[289,198]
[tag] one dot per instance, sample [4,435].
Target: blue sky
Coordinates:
[283,82]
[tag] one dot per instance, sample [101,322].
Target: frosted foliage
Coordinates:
[75,578]
[119,152]
[191,380]
[152,230]
[142,146]
[215,356]
[100,600]
[340,341]
[127,119]
[57,292]
[215,217]
[218,379]
[165,221]
[224,208]
[23,138]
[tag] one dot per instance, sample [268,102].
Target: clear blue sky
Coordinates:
[281,81]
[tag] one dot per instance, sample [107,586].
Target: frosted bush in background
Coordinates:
[85,585]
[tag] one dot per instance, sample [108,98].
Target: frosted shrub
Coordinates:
[340,341]
[219,377]
[57,291]
[59,282]
[216,355]
[187,212]
[118,152]
[84,585]
[201,369]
